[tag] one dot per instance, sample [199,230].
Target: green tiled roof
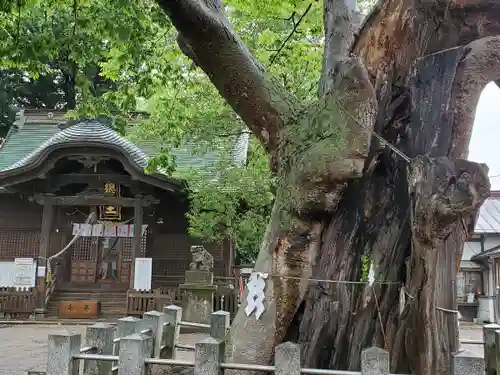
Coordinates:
[27,139]
[20,142]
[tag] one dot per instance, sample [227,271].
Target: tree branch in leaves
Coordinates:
[207,37]
[294,30]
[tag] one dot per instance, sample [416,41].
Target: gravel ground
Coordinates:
[24,348]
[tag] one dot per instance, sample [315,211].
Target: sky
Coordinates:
[484,145]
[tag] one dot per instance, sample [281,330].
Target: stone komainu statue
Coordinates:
[202,259]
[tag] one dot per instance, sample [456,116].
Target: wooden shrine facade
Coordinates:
[96,188]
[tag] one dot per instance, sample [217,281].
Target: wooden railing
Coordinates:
[139,302]
[16,302]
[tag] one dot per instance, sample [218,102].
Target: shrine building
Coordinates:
[82,187]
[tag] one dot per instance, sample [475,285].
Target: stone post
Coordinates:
[468,363]
[127,326]
[287,359]
[155,320]
[374,361]
[219,325]
[497,351]
[61,349]
[208,354]
[490,348]
[100,336]
[173,316]
[134,350]
[200,289]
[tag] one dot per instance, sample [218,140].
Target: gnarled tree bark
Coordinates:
[410,75]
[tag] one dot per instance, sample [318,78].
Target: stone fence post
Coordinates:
[208,354]
[374,361]
[155,321]
[490,348]
[61,349]
[287,359]
[468,363]
[127,326]
[220,325]
[99,336]
[173,316]
[134,350]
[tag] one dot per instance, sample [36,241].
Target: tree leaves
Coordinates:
[112,58]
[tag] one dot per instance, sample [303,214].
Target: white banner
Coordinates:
[107,230]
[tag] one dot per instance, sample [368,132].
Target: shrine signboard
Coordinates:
[111,212]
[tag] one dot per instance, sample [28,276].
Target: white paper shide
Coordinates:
[255,298]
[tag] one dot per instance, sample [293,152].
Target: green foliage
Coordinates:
[365,268]
[100,55]
[235,205]
[290,50]
[112,58]
[365,6]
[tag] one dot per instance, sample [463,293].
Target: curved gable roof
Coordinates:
[37,133]
[92,132]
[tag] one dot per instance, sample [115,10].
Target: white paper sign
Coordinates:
[125,230]
[129,232]
[41,271]
[97,230]
[86,230]
[76,229]
[107,230]
[142,273]
[25,276]
[110,230]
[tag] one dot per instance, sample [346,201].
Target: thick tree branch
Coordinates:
[207,38]
[403,30]
[340,25]
[465,21]
[345,82]
[443,192]
[479,66]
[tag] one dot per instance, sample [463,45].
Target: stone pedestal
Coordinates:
[199,288]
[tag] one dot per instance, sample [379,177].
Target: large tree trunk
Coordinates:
[403,204]
[374,219]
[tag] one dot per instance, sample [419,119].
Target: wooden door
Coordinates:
[83,260]
[108,261]
[126,257]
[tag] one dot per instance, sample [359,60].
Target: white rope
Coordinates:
[75,237]
[70,243]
